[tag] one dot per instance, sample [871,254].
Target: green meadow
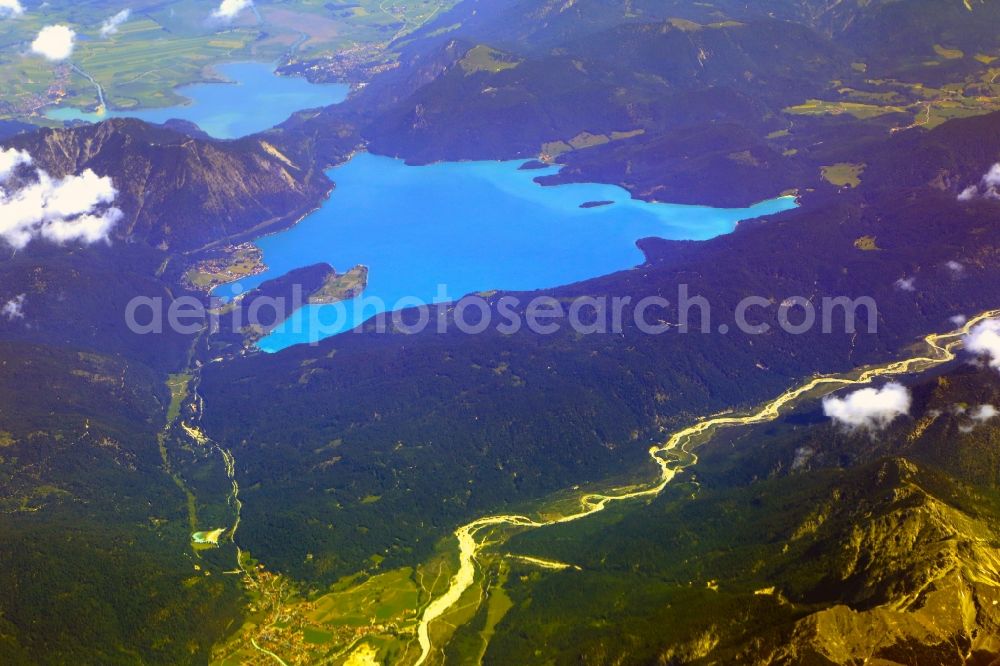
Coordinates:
[161,47]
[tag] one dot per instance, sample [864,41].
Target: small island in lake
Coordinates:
[595,204]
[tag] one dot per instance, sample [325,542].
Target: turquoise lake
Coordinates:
[472,226]
[256,100]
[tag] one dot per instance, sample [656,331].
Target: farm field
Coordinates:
[362,617]
[162,46]
[972,93]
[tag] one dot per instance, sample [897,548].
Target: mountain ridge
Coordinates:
[217,191]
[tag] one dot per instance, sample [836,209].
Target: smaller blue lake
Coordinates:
[472,226]
[256,99]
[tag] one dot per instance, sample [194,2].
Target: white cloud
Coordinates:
[110,26]
[869,408]
[992,177]
[10,8]
[803,455]
[74,208]
[979,414]
[14,308]
[10,159]
[969,193]
[959,320]
[988,186]
[955,267]
[230,9]
[984,340]
[906,284]
[983,413]
[54,42]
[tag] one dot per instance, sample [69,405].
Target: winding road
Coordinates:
[674,457]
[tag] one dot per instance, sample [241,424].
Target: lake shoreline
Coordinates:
[419,227]
[214,105]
